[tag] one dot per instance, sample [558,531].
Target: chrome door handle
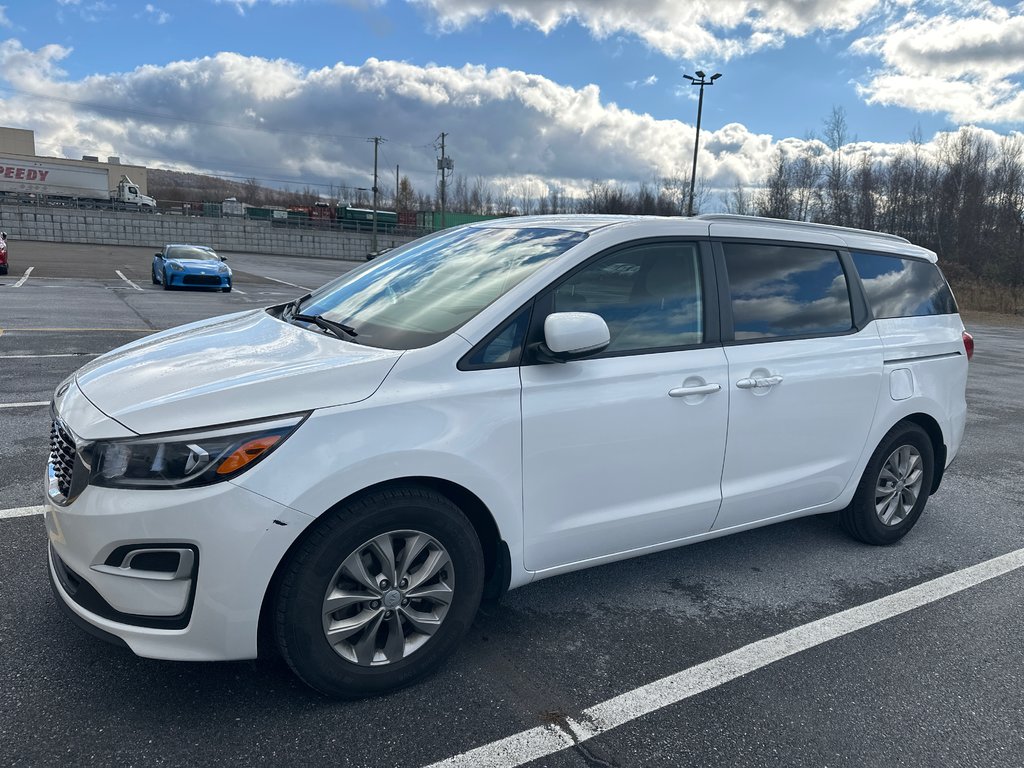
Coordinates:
[767,381]
[703,389]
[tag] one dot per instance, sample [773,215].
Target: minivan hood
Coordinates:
[233,368]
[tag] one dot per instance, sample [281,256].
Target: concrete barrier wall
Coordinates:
[150,230]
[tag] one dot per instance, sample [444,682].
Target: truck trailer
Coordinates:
[43,183]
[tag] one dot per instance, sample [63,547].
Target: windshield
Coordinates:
[419,294]
[191,252]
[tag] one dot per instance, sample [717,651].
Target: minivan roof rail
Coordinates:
[806,225]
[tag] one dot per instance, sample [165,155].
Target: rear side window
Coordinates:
[780,290]
[898,287]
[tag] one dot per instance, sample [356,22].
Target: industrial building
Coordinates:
[21,143]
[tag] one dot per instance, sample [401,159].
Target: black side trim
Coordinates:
[859,304]
[940,468]
[941,356]
[88,598]
[496,588]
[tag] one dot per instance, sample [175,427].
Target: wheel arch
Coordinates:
[497,558]
[934,430]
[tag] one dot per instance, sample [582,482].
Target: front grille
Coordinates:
[200,280]
[62,457]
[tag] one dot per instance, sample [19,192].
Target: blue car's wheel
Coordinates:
[167,281]
[152,275]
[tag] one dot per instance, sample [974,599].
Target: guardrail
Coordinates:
[278,218]
[69,224]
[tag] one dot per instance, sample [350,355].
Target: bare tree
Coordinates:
[776,199]
[738,201]
[837,171]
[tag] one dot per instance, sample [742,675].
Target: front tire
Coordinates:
[167,281]
[380,593]
[894,488]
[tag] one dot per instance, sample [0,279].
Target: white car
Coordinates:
[488,406]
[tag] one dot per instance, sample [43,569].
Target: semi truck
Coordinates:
[36,181]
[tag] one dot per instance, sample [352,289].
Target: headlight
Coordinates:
[186,460]
[176,266]
[223,268]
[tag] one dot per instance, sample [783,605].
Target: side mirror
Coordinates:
[574,335]
[3,236]
[159,255]
[222,258]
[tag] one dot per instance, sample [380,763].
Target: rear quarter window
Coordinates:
[899,287]
[781,291]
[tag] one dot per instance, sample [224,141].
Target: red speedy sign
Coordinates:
[20,172]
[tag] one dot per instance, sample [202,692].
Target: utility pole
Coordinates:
[373,241]
[696,142]
[444,164]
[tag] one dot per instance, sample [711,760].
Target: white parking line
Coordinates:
[121,275]
[23,278]
[237,290]
[542,741]
[62,354]
[293,285]
[21,512]
[24,405]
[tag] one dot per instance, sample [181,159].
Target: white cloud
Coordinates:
[502,123]
[156,15]
[86,11]
[685,30]
[989,44]
[965,63]
[249,116]
[646,82]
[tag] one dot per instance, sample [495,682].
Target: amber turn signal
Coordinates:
[247,453]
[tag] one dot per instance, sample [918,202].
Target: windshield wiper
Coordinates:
[291,306]
[328,325]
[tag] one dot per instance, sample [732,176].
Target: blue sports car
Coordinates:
[181,265]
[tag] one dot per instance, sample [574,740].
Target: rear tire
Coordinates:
[894,488]
[403,571]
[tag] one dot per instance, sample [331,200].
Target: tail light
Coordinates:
[968,345]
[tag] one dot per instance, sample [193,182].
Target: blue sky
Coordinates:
[526,108]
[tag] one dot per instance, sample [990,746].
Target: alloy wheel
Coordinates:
[899,485]
[388,598]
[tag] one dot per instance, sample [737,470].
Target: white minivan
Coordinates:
[347,475]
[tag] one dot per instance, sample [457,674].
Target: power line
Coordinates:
[276,181]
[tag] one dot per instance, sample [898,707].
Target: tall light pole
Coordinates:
[696,142]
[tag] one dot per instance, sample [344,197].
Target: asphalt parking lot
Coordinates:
[557,662]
